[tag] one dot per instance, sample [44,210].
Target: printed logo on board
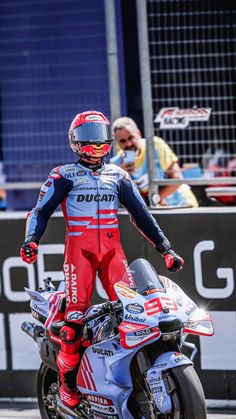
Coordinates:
[176,118]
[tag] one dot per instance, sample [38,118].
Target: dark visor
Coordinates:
[93,132]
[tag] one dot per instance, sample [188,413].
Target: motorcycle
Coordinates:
[133,363]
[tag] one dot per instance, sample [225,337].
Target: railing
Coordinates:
[167,68]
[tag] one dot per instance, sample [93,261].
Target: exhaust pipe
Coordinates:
[29,329]
[65,411]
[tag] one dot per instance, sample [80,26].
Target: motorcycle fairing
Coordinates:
[105,407]
[171,359]
[167,304]
[156,304]
[102,373]
[155,380]
[104,354]
[200,323]
[128,298]
[122,290]
[132,335]
[158,390]
[115,373]
[46,305]
[39,302]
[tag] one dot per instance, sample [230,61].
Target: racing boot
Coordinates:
[68,363]
[68,367]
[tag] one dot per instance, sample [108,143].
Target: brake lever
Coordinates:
[106,309]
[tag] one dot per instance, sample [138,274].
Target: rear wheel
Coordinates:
[47,388]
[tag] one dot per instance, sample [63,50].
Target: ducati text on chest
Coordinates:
[96,198]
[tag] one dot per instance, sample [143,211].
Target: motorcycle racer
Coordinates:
[89,192]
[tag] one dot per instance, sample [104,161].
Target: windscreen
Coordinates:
[142,277]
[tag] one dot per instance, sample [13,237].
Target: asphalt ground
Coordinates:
[34,414]
[30,411]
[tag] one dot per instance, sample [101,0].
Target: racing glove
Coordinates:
[29,251]
[173,261]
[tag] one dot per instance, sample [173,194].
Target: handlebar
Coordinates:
[107,308]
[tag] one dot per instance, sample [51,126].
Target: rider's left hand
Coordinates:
[173,261]
[29,252]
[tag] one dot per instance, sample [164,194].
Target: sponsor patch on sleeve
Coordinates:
[55,174]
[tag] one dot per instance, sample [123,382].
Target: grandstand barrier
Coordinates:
[204,237]
[20,195]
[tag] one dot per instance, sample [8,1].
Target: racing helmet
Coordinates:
[90,135]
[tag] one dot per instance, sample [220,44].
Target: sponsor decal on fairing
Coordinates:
[191,310]
[101,351]
[135,318]
[134,308]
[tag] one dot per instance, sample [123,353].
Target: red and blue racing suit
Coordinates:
[90,201]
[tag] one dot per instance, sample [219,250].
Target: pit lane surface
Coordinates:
[34,414]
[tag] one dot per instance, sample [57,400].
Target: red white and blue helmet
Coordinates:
[90,134]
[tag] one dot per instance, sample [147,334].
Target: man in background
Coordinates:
[132,157]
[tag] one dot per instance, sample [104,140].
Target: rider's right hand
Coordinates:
[173,261]
[29,252]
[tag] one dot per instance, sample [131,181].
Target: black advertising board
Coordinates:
[204,238]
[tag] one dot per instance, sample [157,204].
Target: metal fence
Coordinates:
[58,59]
[188,47]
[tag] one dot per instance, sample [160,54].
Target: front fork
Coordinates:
[157,384]
[156,387]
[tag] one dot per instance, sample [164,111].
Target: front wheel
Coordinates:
[188,400]
[185,390]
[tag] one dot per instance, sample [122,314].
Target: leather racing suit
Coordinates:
[89,201]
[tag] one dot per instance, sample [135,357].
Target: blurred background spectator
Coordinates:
[128,138]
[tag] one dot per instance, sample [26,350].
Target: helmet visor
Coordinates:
[92,132]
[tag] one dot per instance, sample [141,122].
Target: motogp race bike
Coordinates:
[132,353]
